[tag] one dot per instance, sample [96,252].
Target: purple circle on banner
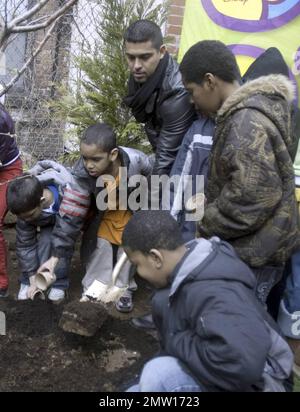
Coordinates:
[255,52]
[269,20]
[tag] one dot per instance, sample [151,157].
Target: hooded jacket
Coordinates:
[251,191]
[211,321]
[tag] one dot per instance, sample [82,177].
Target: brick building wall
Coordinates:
[174,25]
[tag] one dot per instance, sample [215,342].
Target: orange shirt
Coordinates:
[114,221]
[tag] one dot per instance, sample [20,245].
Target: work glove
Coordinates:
[48,171]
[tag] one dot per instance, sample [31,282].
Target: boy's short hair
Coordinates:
[142,31]
[24,194]
[102,135]
[152,229]
[209,56]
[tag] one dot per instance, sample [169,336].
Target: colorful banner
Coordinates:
[248,27]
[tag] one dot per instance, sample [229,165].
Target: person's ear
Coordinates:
[42,200]
[163,51]
[156,258]
[209,81]
[114,154]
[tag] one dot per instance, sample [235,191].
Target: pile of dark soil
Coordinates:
[36,355]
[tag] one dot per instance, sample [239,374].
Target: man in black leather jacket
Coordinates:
[156,95]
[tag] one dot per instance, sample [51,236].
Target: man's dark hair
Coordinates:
[142,31]
[152,229]
[24,194]
[209,56]
[102,135]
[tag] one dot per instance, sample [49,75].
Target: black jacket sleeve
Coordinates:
[177,115]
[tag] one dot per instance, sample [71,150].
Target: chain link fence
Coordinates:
[40,133]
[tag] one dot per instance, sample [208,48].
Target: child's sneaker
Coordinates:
[3,293]
[23,292]
[125,304]
[56,295]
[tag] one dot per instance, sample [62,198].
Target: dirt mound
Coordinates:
[83,318]
[36,355]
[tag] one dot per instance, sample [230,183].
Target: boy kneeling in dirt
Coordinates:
[101,159]
[36,205]
[215,335]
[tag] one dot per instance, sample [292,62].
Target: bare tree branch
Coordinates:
[40,19]
[21,3]
[28,62]
[31,12]
[10,40]
[80,32]
[14,28]
[5,13]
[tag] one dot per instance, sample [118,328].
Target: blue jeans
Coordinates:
[289,310]
[165,374]
[44,251]
[292,291]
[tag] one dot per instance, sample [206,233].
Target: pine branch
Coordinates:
[105,72]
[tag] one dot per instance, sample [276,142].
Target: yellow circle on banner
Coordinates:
[247,10]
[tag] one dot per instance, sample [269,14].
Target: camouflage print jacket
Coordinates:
[251,191]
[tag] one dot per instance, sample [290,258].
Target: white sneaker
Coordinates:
[23,292]
[56,295]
